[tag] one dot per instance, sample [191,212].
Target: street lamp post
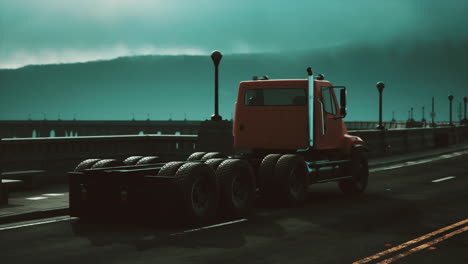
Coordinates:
[460,112]
[450,97]
[465,100]
[216,57]
[380,87]
[433,114]
[423,115]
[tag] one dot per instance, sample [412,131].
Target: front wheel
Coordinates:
[359,170]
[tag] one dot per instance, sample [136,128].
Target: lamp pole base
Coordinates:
[216,118]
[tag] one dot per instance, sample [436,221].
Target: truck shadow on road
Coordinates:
[322,210]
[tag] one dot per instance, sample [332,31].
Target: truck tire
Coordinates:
[197,193]
[266,173]
[86,164]
[107,163]
[149,160]
[132,160]
[196,156]
[212,155]
[237,188]
[359,170]
[214,163]
[170,168]
[291,179]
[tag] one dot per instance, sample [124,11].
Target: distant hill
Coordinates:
[174,86]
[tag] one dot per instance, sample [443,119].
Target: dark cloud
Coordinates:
[61,31]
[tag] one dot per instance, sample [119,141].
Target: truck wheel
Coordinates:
[149,160]
[266,173]
[291,179]
[197,191]
[196,156]
[86,164]
[359,170]
[106,163]
[170,168]
[212,155]
[132,160]
[214,163]
[237,187]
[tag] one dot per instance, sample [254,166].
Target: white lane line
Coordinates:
[36,198]
[417,162]
[53,194]
[208,227]
[444,179]
[37,223]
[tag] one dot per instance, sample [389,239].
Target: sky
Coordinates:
[416,46]
[61,31]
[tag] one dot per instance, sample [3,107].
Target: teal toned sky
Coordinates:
[417,47]
[58,31]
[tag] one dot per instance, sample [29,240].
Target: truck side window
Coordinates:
[275,96]
[327,100]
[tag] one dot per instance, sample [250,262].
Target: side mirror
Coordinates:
[343,102]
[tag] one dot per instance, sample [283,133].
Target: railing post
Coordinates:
[450,97]
[433,114]
[380,87]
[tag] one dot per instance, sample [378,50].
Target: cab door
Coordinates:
[328,125]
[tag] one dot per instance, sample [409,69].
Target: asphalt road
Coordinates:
[400,205]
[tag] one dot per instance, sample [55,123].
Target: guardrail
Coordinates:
[69,128]
[59,155]
[399,141]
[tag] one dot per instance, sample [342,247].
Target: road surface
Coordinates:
[411,214]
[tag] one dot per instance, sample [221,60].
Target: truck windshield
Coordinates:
[275,96]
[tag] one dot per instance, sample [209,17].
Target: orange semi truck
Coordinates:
[288,134]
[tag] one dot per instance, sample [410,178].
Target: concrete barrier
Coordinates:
[399,141]
[59,155]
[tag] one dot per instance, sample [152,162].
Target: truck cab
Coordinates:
[290,115]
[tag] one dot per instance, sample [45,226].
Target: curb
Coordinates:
[34,215]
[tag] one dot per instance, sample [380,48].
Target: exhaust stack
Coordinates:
[310,93]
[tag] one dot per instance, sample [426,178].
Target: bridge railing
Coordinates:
[50,128]
[58,155]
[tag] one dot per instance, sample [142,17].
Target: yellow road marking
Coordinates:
[423,246]
[416,240]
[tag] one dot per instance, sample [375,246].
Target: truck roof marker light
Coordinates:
[320,77]
[264,77]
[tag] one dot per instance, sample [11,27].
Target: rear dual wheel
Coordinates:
[237,188]
[86,164]
[132,160]
[284,179]
[197,192]
[141,160]
[205,156]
